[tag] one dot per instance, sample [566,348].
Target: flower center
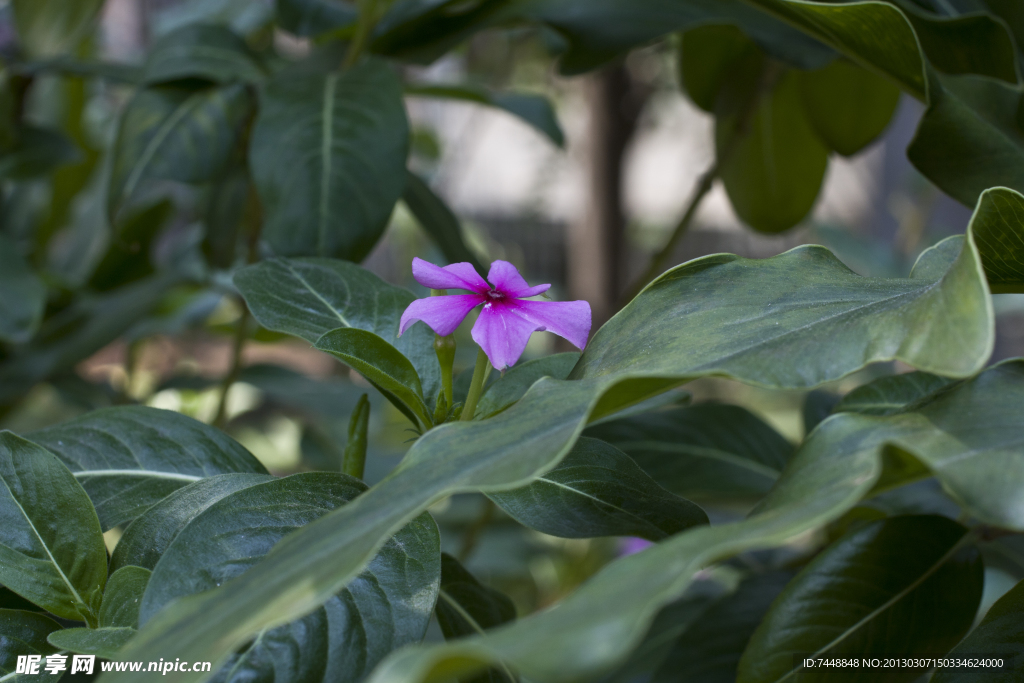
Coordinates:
[495,295]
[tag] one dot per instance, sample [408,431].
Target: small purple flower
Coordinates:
[507,319]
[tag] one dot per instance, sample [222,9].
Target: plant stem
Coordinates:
[476,387]
[364,25]
[236,366]
[353,461]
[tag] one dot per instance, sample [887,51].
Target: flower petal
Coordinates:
[506,279]
[502,334]
[570,320]
[441,313]
[455,276]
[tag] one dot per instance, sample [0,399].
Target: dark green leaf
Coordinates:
[1000,635]
[388,605]
[173,132]
[205,51]
[130,457]
[438,221]
[102,642]
[22,296]
[998,228]
[116,72]
[310,297]
[421,31]
[598,491]
[516,381]
[49,27]
[707,54]
[383,365]
[704,451]
[36,152]
[311,18]
[889,395]
[51,546]
[976,43]
[818,404]
[465,606]
[905,585]
[23,633]
[224,215]
[535,110]
[328,157]
[847,106]
[146,538]
[128,258]
[123,596]
[772,163]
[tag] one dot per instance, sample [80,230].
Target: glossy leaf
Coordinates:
[704,451]
[1001,635]
[22,295]
[36,152]
[535,110]
[388,605]
[173,132]
[123,596]
[128,458]
[707,54]
[889,395]
[438,221]
[205,51]
[310,297]
[773,164]
[328,157]
[22,633]
[847,106]
[152,532]
[382,365]
[998,227]
[906,586]
[51,546]
[102,642]
[518,379]
[597,490]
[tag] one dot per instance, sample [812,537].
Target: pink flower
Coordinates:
[507,319]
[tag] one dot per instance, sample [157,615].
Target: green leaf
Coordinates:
[51,546]
[123,596]
[152,532]
[665,341]
[906,585]
[207,51]
[598,491]
[516,381]
[705,452]
[889,395]
[707,54]
[1000,634]
[310,297]
[328,158]
[998,228]
[49,27]
[103,642]
[382,365]
[977,43]
[465,606]
[128,257]
[23,633]
[311,18]
[22,295]
[535,110]
[847,106]
[968,139]
[421,32]
[173,132]
[130,457]
[438,221]
[773,163]
[36,152]
[388,605]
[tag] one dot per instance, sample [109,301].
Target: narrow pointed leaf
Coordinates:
[999,635]
[51,546]
[597,490]
[128,458]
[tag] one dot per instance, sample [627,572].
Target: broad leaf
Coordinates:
[382,365]
[36,152]
[1000,635]
[421,31]
[310,297]
[665,341]
[975,43]
[205,51]
[130,457]
[388,605]
[517,380]
[173,132]
[328,158]
[906,585]
[438,221]
[51,546]
[22,295]
[23,633]
[705,452]
[888,395]
[103,642]
[707,55]
[597,490]
[123,596]
[535,110]
[998,228]
[49,27]
[150,534]
[310,18]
